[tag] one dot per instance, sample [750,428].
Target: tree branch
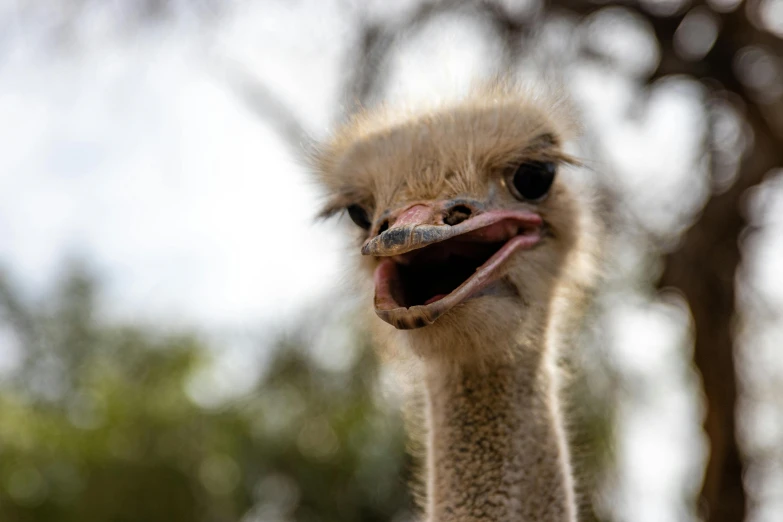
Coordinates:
[267,106]
[376,43]
[704,266]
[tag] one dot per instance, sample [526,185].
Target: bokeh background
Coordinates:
[176,334]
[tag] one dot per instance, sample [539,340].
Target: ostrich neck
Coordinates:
[496,450]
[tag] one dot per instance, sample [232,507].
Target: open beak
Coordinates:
[428,266]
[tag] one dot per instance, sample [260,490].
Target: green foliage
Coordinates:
[96,425]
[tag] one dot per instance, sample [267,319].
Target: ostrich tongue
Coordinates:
[434,298]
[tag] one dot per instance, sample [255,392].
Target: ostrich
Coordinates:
[481,254]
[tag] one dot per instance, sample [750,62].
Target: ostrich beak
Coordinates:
[428,266]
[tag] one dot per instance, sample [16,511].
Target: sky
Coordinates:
[144,163]
[135,155]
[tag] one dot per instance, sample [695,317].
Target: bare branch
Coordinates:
[369,60]
[265,104]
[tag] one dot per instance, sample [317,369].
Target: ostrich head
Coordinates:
[463,214]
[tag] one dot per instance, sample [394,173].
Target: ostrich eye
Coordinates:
[532,180]
[359,216]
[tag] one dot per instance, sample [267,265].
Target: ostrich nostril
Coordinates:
[384,227]
[457,214]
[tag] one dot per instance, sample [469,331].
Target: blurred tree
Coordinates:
[723,51]
[96,424]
